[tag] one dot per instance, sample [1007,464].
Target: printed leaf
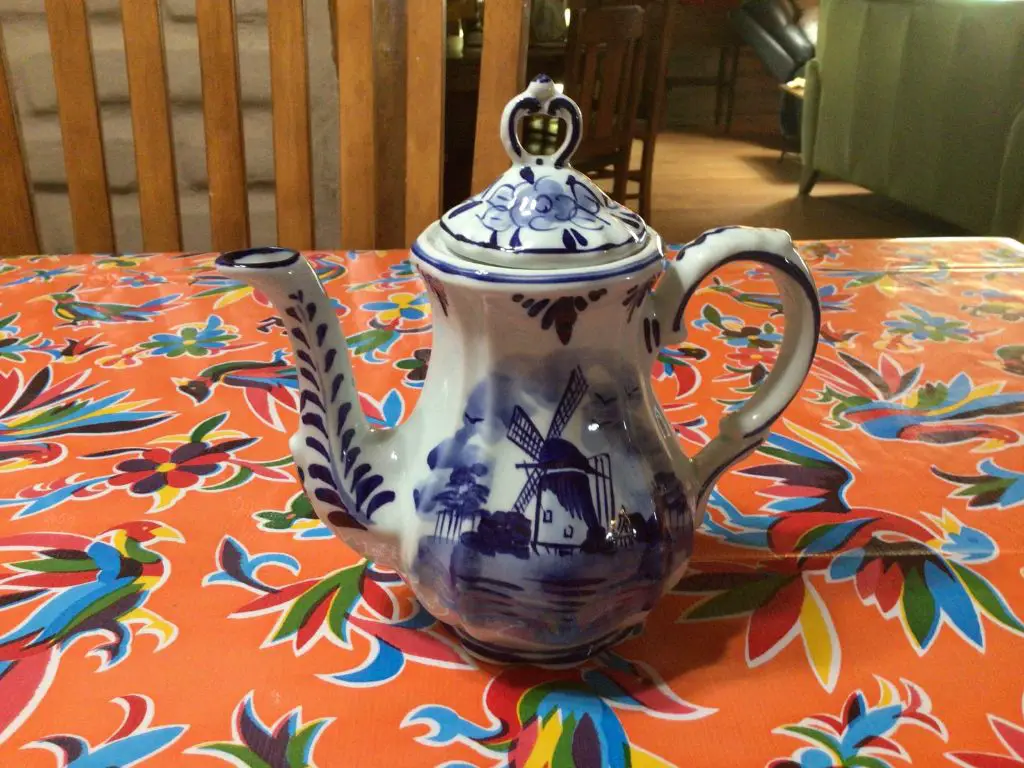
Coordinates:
[207,426]
[242,754]
[772,622]
[738,601]
[820,641]
[919,609]
[815,737]
[988,598]
[237,479]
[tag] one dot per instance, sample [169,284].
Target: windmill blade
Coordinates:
[574,391]
[526,495]
[524,433]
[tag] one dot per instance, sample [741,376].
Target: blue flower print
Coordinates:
[192,340]
[136,279]
[542,204]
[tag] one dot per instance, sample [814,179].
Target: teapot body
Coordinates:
[537,500]
[550,503]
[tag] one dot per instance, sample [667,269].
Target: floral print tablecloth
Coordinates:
[168,599]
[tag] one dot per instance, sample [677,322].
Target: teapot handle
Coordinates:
[741,432]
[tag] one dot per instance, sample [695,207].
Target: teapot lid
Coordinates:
[542,213]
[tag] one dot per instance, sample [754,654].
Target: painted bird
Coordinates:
[265,385]
[83,586]
[74,311]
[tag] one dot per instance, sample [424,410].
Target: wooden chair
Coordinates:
[659,22]
[605,68]
[364,190]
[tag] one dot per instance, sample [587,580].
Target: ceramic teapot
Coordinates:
[537,500]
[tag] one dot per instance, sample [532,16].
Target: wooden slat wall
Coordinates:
[289,87]
[151,125]
[17,217]
[81,133]
[425,107]
[357,188]
[502,70]
[222,117]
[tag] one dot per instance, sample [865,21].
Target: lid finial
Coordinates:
[542,213]
[541,97]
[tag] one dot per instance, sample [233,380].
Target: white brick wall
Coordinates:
[28,52]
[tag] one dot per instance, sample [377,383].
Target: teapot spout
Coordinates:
[342,463]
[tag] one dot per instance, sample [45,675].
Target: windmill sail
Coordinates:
[526,494]
[524,433]
[574,391]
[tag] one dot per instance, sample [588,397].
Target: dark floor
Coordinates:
[704,180]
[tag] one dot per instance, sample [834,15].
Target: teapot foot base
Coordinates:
[572,656]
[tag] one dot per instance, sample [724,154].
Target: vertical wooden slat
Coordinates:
[502,69]
[222,118]
[611,70]
[17,218]
[389,77]
[424,137]
[357,186]
[585,93]
[289,88]
[151,125]
[81,133]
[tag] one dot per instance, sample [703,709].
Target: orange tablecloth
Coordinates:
[856,596]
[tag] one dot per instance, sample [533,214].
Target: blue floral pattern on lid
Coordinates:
[542,213]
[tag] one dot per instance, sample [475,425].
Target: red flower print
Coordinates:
[750,357]
[158,467]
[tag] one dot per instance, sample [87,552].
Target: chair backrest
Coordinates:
[604,74]
[659,23]
[386,165]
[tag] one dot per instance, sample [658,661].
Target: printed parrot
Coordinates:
[83,587]
[265,385]
[890,404]
[917,569]
[74,311]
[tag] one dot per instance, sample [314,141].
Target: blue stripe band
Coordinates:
[530,276]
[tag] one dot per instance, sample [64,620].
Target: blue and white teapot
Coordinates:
[537,500]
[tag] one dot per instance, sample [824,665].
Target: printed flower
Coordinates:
[194,340]
[921,325]
[404,306]
[541,204]
[735,332]
[159,467]
[140,280]
[750,357]
[415,367]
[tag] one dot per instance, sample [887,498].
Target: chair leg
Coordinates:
[621,183]
[646,178]
[807,181]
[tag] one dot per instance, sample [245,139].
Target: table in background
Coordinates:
[860,574]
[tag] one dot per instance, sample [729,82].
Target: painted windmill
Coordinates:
[581,485]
